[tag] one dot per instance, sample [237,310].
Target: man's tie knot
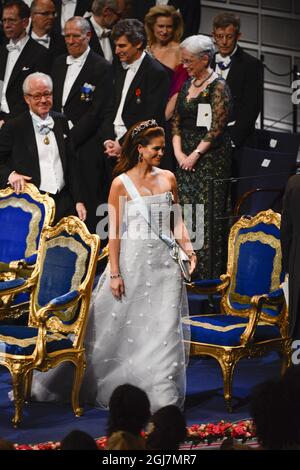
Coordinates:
[12,47]
[105,34]
[73,60]
[44,126]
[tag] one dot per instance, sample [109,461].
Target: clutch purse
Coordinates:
[180,256]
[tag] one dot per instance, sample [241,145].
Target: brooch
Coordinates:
[86,92]
[138,93]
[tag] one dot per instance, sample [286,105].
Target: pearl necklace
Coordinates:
[203,81]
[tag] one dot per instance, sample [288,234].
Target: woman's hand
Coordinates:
[117,287]
[189,163]
[193,262]
[181,158]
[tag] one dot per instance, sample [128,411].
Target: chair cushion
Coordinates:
[226,330]
[272,310]
[21,340]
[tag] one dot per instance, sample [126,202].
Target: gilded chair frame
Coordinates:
[45,320]
[228,356]
[19,268]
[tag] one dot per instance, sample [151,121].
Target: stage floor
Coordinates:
[204,402]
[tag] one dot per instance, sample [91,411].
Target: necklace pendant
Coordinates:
[46,140]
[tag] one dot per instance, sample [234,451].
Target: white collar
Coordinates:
[134,66]
[98,29]
[21,43]
[81,59]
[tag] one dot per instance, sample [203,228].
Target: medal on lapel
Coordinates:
[138,95]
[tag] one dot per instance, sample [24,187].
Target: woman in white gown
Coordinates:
[134,333]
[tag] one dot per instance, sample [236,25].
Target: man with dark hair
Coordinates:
[189,9]
[42,20]
[82,89]
[141,85]
[242,72]
[19,58]
[104,16]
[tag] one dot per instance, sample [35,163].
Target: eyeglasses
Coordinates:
[40,96]
[219,37]
[187,61]
[46,13]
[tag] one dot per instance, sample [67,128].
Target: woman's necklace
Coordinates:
[203,81]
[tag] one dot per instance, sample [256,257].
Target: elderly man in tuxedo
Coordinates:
[82,89]
[36,147]
[42,20]
[189,9]
[104,16]
[19,58]
[242,72]
[141,85]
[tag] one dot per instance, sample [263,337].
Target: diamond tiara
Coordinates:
[144,125]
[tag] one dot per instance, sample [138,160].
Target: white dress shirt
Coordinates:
[12,58]
[51,170]
[74,68]
[68,8]
[104,42]
[226,61]
[42,40]
[119,126]
[162,2]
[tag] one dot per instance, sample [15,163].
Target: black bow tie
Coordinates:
[106,34]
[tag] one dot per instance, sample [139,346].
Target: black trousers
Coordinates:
[64,204]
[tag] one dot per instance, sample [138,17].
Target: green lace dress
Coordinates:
[193,187]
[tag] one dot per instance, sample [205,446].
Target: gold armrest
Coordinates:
[225,281]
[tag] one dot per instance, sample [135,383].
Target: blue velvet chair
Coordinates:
[253,319]
[22,218]
[61,287]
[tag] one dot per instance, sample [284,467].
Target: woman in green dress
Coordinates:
[203,152]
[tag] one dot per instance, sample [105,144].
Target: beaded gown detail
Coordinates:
[138,339]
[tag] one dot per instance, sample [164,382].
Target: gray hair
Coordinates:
[199,45]
[83,23]
[98,5]
[42,76]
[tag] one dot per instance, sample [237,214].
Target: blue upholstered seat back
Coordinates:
[63,268]
[256,264]
[21,222]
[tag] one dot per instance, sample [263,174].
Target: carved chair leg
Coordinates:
[28,382]
[227,366]
[286,355]
[18,391]
[78,377]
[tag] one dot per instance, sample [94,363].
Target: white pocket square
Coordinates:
[25,69]
[65,136]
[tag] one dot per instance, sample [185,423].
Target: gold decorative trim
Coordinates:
[80,267]
[24,343]
[265,239]
[36,215]
[223,329]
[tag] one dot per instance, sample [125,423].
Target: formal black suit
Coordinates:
[95,44]
[82,6]
[57,45]
[19,152]
[146,98]
[245,80]
[87,118]
[190,10]
[33,58]
[290,246]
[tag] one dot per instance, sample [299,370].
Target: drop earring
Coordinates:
[140,157]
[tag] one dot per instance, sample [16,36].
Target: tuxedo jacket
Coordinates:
[57,45]
[95,44]
[19,152]
[86,116]
[245,80]
[33,58]
[146,98]
[82,6]
[189,9]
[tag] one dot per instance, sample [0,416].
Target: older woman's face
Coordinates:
[163,29]
[193,64]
